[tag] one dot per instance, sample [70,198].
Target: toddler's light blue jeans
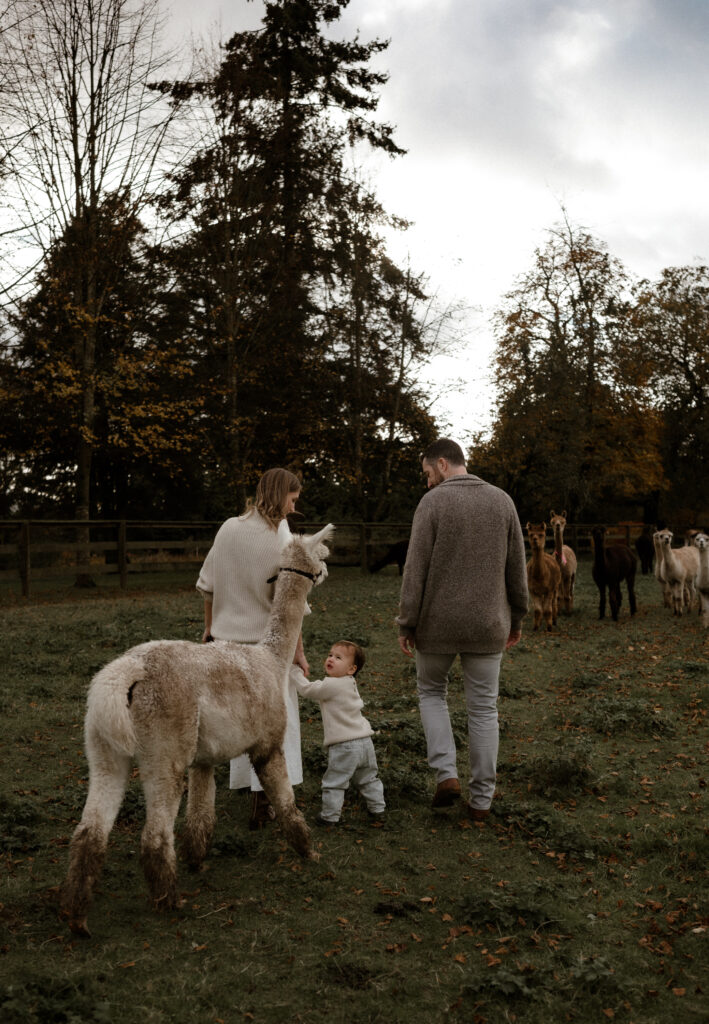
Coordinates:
[352,761]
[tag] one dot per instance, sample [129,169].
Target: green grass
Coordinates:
[585,896]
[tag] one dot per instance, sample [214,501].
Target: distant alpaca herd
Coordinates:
[682,573]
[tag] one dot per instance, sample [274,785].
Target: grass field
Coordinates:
[584,897]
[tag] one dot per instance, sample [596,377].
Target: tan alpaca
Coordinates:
[701,543]
[173,705]
[543,577]
[680,566]
[566,560]
[660,570]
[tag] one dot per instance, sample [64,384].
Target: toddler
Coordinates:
[348,734]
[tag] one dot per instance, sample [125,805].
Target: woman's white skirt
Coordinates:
[242,775]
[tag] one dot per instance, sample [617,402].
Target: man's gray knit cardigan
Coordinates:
[465,580]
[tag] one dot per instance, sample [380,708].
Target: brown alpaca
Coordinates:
[565,558]
[171,705]
[543,577]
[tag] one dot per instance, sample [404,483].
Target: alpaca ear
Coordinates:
[318,538]
[284,534]
[552,514]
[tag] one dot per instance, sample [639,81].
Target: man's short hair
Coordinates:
[446,449]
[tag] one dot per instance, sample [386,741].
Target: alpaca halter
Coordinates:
[299,572]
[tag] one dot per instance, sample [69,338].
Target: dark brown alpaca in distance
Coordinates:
[611,565]
[543,577]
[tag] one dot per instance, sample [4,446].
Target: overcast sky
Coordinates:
[510,108]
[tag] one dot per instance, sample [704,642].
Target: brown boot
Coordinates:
[261,811]
[447,792]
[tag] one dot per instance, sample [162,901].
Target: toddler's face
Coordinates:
[339,662]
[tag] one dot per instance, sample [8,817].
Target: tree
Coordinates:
[287,103]
[574,423]
[81,123]
[146,406]
[671,321]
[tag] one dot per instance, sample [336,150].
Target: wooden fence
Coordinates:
[39,549]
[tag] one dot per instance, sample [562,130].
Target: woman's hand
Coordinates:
[299,657]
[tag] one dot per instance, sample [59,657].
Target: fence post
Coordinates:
[24,555]
[363,547]
[122,555]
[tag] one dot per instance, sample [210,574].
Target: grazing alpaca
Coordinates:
[611,565]
[701,543]
[566,558]
[645,549]
[395,553]
[660,570]
[174,705]
[680,566]
[543,577]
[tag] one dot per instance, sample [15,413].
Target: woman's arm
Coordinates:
[299,656]
[207,621]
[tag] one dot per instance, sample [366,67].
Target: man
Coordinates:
[464,592]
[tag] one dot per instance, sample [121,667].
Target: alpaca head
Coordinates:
[305,555]
[701,541]
[665,538]
[598,533]
[537,533]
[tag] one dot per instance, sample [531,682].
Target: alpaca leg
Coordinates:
[200,818]
[601,602]
[162,785]
[273,776]
[548,610]
[537,611]
[107,785]
[614,597]
[704,599]
[631,595]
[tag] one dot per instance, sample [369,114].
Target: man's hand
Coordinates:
[407,644]
[514,638]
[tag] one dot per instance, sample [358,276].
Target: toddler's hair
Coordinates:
[356,652]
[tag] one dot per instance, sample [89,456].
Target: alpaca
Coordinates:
[566,558]
[645,549]
[660,570]
[395,553]
[611,565]
[174,705]
[701,543]
[680,566]
[543,577]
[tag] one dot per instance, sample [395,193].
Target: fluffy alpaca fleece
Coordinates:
[172,705]
[680,567]
[543,577]
[566,558]
[701,543]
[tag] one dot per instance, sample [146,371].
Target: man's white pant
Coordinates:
[481,681]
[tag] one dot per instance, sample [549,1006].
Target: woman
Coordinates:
[234,579]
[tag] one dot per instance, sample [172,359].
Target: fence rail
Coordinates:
[37,549]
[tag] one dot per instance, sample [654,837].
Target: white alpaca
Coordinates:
[173,705]
[701,543]
[660,570]
[680,566]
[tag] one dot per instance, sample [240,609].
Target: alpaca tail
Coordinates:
[108,719]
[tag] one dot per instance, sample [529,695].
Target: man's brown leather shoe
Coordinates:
[477,814]
[447,792]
